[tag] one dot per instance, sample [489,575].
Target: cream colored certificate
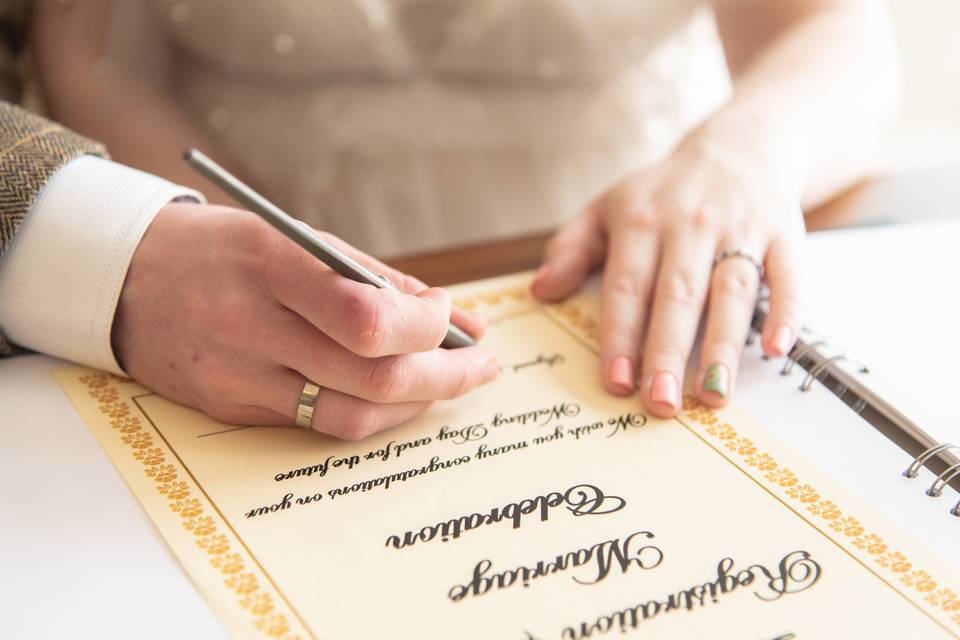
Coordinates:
[535,507]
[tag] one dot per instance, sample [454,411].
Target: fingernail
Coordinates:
[621,373]
[717,380]
[782,339]
[665,389]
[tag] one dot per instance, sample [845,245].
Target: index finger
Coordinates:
[472,323]
[366,320]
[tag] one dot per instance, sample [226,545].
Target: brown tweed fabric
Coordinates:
[31,150]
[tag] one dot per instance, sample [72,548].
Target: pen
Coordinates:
[303,235]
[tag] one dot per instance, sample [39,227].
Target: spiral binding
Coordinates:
[945,476]
[919,461]
[893,424]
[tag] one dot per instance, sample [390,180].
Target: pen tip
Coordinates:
[188,154]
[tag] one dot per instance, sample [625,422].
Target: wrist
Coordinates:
[62,277]
[755,142]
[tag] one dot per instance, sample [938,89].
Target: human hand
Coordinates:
[657,233]
[222,313]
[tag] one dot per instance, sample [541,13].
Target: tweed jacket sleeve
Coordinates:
[70,223]
[32,149]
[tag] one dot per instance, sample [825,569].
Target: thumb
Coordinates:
[571,255]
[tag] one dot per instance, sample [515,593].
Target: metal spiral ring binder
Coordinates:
[799,353]
[936,489]
[914,468]
[816,371]
[846,385]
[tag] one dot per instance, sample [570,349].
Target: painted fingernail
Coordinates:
[782,339]
[665,389]
[621,373]
[717,380]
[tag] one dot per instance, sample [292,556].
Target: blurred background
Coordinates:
[927,133]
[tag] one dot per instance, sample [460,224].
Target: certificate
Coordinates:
[537,506]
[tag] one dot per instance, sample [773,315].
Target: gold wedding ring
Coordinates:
[308,400]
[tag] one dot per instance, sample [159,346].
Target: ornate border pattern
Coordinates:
[584,323]
[809,498]
[492,297]
[569,312]
[182,498]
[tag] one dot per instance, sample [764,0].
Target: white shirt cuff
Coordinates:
[61,276]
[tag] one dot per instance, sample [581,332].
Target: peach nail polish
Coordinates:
[782,339]
[621,373]
[665,389]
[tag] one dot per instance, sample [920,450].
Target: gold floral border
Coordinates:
[570,311]
[184,499]
[493,297]
[584,323]
[807,497]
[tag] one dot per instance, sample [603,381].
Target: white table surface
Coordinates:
[78,556]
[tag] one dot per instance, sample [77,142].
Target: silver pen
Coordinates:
[304,235]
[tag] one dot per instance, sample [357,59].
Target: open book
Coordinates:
[536,507]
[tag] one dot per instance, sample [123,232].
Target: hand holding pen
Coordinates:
[221,312]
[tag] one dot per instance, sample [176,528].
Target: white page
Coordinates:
[889,296]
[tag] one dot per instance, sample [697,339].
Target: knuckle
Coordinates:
[623,285]
[365,320]
[640,214]
[700,218]
[386,379]
[737,283]
[679,286]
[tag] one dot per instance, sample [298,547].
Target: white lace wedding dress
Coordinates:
[410,125]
